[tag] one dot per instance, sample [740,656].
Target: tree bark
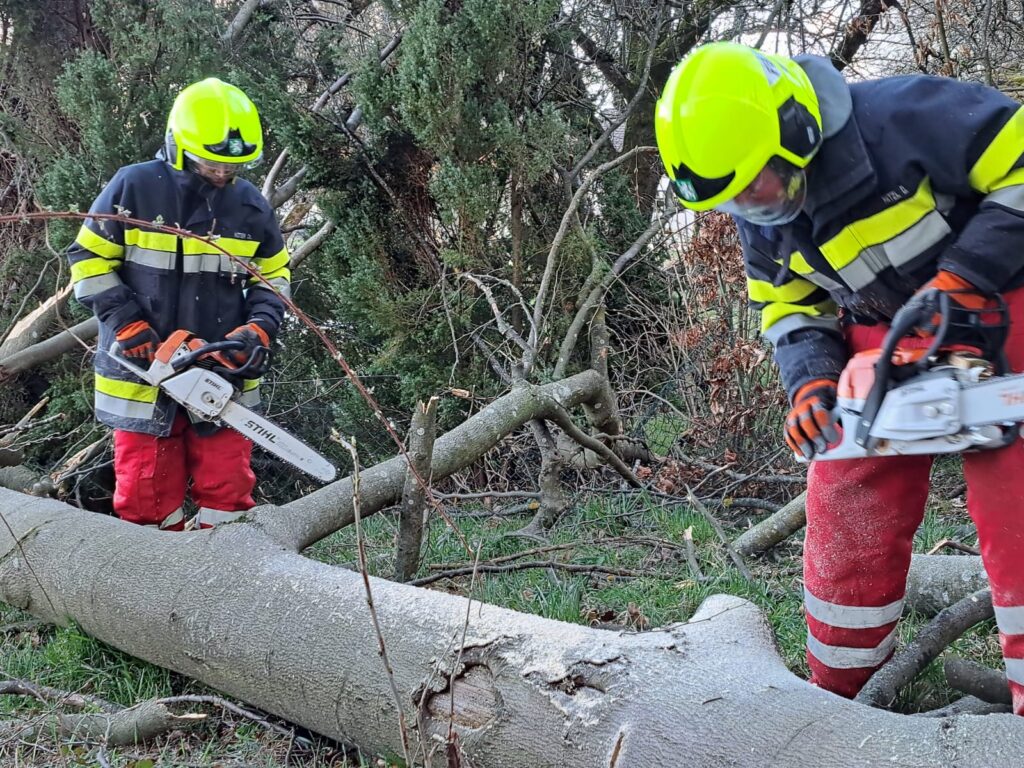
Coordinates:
[977,680]
[410,528]
[772,530]
[937,581]
[235,609]
[50,349]
[31,328]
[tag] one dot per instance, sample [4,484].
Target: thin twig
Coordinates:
[403,731]
[509,567]
[740,565]
[954,544]
[48,695]
[609,541]
[562,418]
[217,701]
[691,555]
[462,647]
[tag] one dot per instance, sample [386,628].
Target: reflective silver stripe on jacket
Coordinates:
[908,245]
[840,657]
[149,257]
[1015,670]
[129,409]
[798,321]
[283,286]
[215,262]
[1010,619]
[215,517]
[90,286]
[863,269]
[821,280]
[851,616]
[1008,197]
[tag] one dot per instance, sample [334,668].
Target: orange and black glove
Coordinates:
[961,293]
[811,424]
[138,341]
[254,337]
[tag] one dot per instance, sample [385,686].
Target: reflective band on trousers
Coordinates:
[839,657]
[851,616]
[174,518]
[1010,619]
[1015,671]
[215,517]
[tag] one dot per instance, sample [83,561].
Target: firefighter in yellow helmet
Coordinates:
[850,200]
[143,285]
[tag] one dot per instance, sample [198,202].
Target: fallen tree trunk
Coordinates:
[239,609]
[50,349]
[234,609]
[774,529]
[31,328]
[937,581]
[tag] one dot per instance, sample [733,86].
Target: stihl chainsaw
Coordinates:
[208,396]
[956,395]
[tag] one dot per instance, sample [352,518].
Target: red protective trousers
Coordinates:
[152,476]
[861,518]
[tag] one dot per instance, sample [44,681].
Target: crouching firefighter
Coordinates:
[850,200]
[143,285]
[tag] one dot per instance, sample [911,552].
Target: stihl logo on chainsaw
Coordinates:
[260,430]
[1012,398]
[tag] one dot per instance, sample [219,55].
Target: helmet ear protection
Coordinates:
[171,152]
[799,132]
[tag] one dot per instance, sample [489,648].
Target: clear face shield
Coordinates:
[775,196]
[215,172]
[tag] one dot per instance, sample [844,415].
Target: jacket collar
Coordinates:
[840,174]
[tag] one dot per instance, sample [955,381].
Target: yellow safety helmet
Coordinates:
[216,122]
[727,113]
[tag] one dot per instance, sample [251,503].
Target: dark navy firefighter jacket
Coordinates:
[915,174]
[125,272]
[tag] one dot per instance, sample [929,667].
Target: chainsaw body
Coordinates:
[948,398]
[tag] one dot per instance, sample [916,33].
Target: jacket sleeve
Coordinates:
[971,141]
[798,317]
[96,255]
[263,303]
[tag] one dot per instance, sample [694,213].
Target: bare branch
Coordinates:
[242,18]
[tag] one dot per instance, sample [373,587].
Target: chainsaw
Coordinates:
[208,396]
[956,395]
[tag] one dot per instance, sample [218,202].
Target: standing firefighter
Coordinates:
[143,285]
[849,200]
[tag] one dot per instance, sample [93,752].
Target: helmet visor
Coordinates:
[775,196]
[214,171]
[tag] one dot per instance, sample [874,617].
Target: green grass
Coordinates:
[638,532]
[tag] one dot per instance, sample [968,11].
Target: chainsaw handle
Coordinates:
[194,356]
[908,317]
